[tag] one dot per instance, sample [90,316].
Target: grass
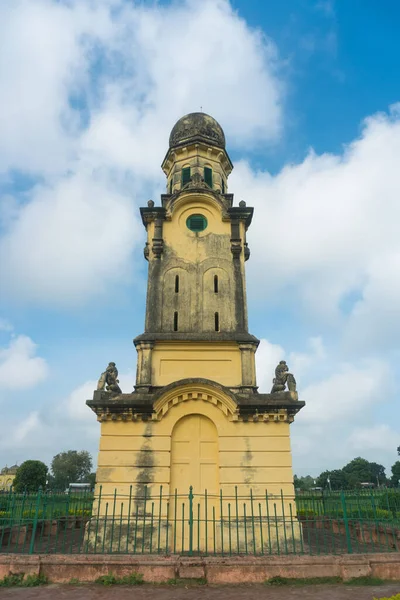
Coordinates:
[111,579]
[19,580]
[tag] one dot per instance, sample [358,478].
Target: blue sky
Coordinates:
[307,92]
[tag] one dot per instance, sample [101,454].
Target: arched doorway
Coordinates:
[194,462]
[194,455]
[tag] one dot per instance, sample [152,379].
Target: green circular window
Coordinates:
[196,223]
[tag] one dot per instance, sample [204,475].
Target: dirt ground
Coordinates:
[193,592]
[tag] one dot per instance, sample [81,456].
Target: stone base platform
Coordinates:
[60,568]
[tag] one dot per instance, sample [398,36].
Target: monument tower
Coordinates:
[195,417]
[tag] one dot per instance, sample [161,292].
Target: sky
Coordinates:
[308,94]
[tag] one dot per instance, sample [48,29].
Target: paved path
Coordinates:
[157,592]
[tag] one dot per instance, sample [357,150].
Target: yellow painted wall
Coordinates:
[251,455]
[219,362]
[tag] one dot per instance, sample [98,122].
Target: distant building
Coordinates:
[7,475]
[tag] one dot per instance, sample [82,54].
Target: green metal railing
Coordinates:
[149,521]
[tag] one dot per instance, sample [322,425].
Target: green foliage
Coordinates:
[70,467]
[396,473]
[368,513]
[307,513]
[132,579]
[359,470]
[396,597]
[19,579]
[111,579]
[303,483]
[108,579]
[91,478]
[14,579]
[4,501]
[56,513]
[34,580]
[390,501]
[338,480]
[30,476]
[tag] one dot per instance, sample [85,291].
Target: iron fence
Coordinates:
[149,521]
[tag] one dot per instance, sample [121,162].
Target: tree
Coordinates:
[91,479]
[30,476]
[378,473]
[396,473]
[360,470]
[70,467]
[303,483]
[337,478]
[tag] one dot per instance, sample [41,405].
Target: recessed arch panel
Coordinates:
[194,455]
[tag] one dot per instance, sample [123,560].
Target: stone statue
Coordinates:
[109,380]
[283,378]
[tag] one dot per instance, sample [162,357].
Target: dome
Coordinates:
[197,126]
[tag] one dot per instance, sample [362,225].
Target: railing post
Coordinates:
[35,521]
[346,523]
[191,521]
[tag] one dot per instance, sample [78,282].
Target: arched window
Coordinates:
[208,178]
[216,284]
[170,186]
[175,321]
[176,284]
[222,186]
[216,319]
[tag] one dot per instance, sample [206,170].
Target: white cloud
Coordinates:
[301,362]
[378,438]
[44,61]
[338,395]
[64,424]
[20,368]
[26,427]
[326,231]
[267,357]
[72,241]
[89,94]
[349,390]
[90,91]
[76,402]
